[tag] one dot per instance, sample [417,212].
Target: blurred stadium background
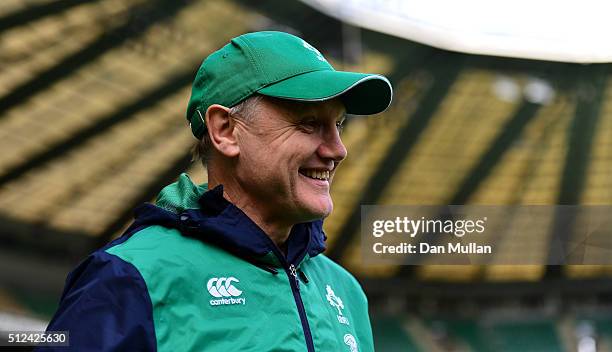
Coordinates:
[92,99]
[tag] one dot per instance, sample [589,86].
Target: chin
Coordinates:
[319,210]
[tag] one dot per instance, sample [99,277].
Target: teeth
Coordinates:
[321,175]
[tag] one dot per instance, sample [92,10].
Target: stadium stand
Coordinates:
[392,336]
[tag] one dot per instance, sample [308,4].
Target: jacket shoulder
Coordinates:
[324,262]
[105,306]
[336,273]
[156,246]
[166,258]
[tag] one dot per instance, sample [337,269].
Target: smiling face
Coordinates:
[289,152]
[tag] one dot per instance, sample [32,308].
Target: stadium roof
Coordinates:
[567,31]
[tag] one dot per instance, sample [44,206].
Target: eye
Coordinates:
[340,125]
[309,124]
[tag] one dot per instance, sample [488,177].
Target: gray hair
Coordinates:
[201,150]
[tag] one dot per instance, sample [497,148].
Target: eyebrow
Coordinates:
[299,109]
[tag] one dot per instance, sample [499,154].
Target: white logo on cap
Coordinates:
[314,50]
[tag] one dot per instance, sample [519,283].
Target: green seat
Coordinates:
[525,336]
[390,336]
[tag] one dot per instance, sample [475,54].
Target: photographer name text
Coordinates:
[426,248]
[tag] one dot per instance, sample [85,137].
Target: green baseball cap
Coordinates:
[279,65]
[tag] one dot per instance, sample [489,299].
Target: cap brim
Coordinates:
[361,93]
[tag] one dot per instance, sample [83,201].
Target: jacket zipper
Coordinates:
[294,282]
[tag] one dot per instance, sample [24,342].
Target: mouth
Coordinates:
[316,174]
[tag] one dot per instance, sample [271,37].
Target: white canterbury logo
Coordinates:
[222,287]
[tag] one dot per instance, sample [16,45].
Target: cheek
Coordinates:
[281,156]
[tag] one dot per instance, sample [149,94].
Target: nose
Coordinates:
[332,146]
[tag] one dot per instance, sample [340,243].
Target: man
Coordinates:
[238,267]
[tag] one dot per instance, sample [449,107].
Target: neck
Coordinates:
[276,230]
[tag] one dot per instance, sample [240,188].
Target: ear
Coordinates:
[221,130]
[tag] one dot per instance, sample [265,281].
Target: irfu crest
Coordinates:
[337,303]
